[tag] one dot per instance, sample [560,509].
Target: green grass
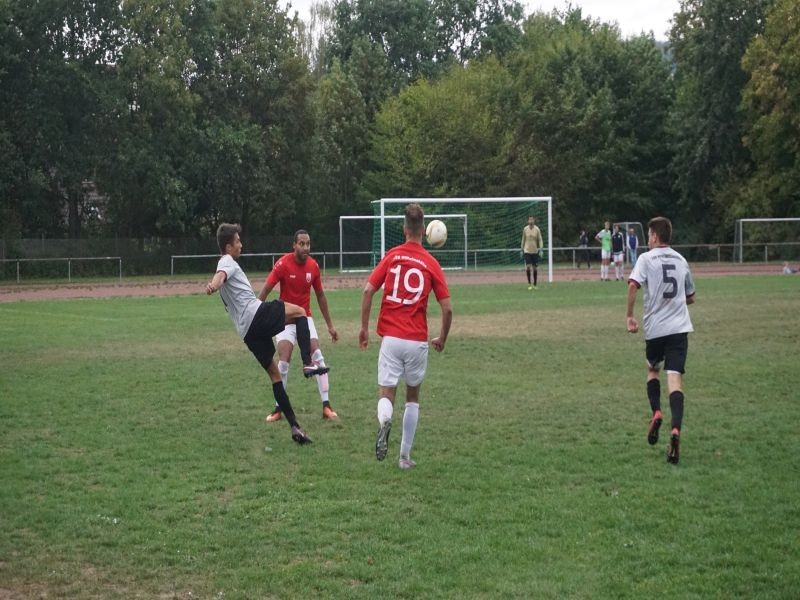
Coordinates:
[135,461]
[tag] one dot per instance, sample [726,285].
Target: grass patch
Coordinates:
[135,459]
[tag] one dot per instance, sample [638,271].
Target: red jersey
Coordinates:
[408,273]
[296,280]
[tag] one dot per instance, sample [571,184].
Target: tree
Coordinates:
[339,142]
[771,106]
[709,38]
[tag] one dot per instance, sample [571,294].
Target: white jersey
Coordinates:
[237,294]
[667,281]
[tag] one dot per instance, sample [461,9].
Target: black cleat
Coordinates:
[655,424]
[382,443]
[674,448]
[299,436]
[314,369]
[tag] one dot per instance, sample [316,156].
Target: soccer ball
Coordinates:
[436,232]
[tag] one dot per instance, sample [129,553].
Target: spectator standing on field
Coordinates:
[531,247]
[604,237]
[583,243]
[408,274]
[297,272]
[633,245]
[258,321]
[669,289]
[618,253]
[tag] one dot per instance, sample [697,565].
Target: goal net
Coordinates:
[356,234]
[766,239]
[492,233]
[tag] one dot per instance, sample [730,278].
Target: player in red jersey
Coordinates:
[407,273]
[297,272]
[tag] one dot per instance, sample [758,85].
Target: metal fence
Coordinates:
[25,260]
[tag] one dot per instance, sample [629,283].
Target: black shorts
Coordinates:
[532,258]
[269,320]
[670,349]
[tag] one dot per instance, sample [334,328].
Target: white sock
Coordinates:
[322,380]
[410,418]
[385,410]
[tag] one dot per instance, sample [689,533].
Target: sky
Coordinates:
[632,16]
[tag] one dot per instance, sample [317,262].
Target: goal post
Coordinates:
[781,231]
[493,227]
[356,232]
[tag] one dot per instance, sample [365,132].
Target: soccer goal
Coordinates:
[755,238]
[356,232]
[493,236]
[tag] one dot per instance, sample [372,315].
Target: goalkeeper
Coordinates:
[531,247]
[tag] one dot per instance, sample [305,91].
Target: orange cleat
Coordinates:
[329,414]
[275,415]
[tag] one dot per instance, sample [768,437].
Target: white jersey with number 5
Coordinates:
[668,282]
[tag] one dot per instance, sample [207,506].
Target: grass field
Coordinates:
[135,460]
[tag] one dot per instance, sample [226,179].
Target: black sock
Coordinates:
[528,275]
[282,398]
[535,276]
[326,403]
[676,406]
[304,339]
[654,394]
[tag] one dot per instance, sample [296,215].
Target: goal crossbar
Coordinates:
[738,234]
[488,200]
[343,218]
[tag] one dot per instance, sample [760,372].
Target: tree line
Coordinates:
[155,118]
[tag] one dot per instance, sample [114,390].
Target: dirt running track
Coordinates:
[14,292]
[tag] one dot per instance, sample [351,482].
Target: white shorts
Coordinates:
[289,333]
[604,254]
[402,359]
[619,257]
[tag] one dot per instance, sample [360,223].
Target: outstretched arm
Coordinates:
[216,281]
[322,300]
[366,307]
[262,295]
[447,319]
[632,325]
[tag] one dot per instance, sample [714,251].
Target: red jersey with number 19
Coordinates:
[296,280]
[408,273]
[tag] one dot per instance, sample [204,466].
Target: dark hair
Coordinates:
[414,219]
[225,234]
[662,227]
[298,233]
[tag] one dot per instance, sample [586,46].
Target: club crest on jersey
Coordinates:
[308,277]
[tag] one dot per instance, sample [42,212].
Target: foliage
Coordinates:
[771,105]
[576,113]
[709,39]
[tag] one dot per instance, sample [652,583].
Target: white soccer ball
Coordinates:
[436,233]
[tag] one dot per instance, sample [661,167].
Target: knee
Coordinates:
[318,357]
[283,367]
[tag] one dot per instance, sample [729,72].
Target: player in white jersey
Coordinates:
[669,289]
[258,321]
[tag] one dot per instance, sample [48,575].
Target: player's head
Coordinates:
[301,245]
[608,224]
[661,229]
[228,239]
[413,222]
[631,231]
[531,220]
[616,228]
